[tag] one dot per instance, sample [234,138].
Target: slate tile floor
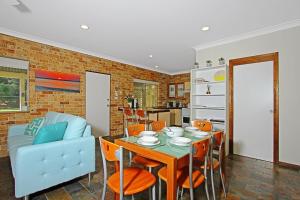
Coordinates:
[246,179]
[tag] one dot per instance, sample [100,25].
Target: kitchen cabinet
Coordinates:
[157,114]
[175,115]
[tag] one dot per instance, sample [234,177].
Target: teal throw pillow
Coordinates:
[51,133]
[33,128]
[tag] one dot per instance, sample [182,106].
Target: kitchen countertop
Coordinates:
[157,109]
[165,107]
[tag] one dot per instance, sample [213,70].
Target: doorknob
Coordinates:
[271,110]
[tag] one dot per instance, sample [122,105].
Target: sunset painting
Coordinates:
[56,81]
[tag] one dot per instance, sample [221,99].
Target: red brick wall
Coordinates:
[51,58]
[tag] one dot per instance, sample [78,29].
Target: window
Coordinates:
[146,92]
[13,85]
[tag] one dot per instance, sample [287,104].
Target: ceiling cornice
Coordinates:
[263,31]
[180,72]
[72,48]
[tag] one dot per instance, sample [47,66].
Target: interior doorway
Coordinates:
[98,102]
[253,107]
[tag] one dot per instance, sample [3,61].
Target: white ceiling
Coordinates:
[130,30]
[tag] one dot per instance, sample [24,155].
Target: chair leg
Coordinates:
[206,190]
[159,189]
[212,181]
[150,190]
[222,180]
[177,193]
[130,158]
[104,191]
[153,192]
[26,197]
[181,195]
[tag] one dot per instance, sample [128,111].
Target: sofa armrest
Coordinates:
[18,129]
[44,165]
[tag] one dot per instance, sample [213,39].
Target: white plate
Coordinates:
[147,144]
[180,141]
[148,133]
[200,133]
[191,128]
[148,139]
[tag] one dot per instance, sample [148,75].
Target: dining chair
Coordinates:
[216,164]
[158,125]
[129,117]
[143,118]
[133,130]
[128,181]
[203,125]
[187,177]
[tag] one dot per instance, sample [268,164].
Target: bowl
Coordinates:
[148,139]
[148,133]
[174,131]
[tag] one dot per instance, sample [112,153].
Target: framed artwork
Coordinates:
[56,81]
[180,90]
[172,91]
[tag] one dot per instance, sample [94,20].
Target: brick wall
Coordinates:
[51,58]
[181,78]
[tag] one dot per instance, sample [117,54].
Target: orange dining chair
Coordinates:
[187,178]
[133,130]
[143,118]
[203,125]
[128,181]
[129,116]
[158,125]
[216,164]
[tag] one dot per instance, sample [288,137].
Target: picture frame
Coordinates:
[172,91]
[180,90]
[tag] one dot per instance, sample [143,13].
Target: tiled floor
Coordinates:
[246,179]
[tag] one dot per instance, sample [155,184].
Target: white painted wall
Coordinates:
[287,43]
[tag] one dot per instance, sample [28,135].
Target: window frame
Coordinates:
[17,63]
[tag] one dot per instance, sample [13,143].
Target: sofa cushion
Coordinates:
[51,133]
[14,142]
[76,125]
[35,125]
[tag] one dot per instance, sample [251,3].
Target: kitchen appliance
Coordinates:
[185,112]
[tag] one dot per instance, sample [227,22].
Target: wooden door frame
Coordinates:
[249,60]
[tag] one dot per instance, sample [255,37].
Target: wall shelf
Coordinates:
[208,94]
[209,106]
[206,82]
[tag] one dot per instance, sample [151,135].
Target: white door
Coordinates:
[97,102]
[253,110]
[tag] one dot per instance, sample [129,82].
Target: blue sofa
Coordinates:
[40,166]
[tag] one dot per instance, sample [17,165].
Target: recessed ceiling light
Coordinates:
[156,66]
[84,27]
[13,2]
[205,28]
[150,56]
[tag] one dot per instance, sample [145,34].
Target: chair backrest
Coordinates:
[198,150]
[140,113]
[127,112]
[218,137]
[135,129]
[202,125]
[158,125]
[112,152]
[201,149]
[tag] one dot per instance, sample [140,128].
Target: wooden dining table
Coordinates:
[174,157]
